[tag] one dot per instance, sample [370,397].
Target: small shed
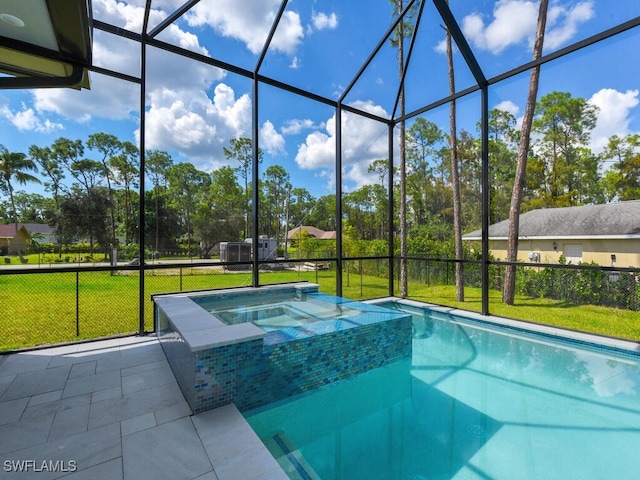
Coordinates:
[235,252]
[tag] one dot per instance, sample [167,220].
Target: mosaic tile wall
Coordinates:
[251,374]
[179,355]
[294,367]
[254,373]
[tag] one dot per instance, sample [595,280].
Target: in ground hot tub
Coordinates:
[253,346]
[285,309]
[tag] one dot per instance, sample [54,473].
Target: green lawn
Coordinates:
[41,308]
[611,322]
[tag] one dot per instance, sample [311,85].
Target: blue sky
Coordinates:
[194,110]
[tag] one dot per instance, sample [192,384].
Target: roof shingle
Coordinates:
[620,218]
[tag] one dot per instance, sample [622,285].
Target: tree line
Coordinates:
[93,185]
[93,189]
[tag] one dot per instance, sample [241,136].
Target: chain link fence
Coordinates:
[65,304]
[57,305]
[580,286]
[61,304]
[570,284]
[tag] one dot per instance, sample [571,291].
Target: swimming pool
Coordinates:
[476,401]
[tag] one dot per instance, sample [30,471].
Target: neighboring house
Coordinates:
[606,234]
[43,232]
[313,233]
[9,243]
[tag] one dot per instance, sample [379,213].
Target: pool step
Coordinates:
[289,458]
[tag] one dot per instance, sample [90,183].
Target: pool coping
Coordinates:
[583,338]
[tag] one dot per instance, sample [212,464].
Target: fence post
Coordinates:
[447,270]
[426,263]
[77,303]
[180,278]
[634,292]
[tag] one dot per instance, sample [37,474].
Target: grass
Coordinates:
[34,259]
[40,308]
[612,322]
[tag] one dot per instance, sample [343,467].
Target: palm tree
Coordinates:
[15,166]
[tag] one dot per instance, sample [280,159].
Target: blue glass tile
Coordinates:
[276,336]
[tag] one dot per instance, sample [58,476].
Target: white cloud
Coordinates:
[183,74]
[322,21]
[235,114]
[441,46]
[563,23]
[108,98]
[318,150]
[250,22]
[27,120]
[295,126]
[359,174]
[181,116]
[513,109]
[508,106]
[197,125]
[130,15]
[271,140]
[514,22]
[363,140]
[116,99]
[613,115]
[118,13]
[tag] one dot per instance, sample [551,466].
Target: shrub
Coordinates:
[47,247]
[580,287]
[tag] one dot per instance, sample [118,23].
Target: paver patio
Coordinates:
[113,410]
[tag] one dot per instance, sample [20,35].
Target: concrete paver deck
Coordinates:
[112,409]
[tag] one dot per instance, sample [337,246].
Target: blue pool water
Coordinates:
[474,402]
[277,311]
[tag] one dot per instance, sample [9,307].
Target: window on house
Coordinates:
[573,253]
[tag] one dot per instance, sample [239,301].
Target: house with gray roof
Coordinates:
[607,234]
[44,233]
